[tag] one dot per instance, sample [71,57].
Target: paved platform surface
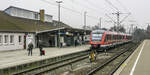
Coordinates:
[12,58]
[138,63]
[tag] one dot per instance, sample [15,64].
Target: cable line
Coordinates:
[69,9]
[112,5]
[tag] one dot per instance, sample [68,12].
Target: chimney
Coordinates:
[42,15]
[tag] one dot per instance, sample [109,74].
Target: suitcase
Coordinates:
[43,52]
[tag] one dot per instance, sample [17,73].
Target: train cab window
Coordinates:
[97,36]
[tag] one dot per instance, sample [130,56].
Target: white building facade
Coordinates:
[23,13]
[15,41]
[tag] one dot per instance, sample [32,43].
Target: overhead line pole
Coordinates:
[59,22]
[85,19]
[85,22]
[118,19]
[100,24]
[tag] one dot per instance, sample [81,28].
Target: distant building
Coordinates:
[148,28]
[23,13]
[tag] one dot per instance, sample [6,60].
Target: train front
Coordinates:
[96,39]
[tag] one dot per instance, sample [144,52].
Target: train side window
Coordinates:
[120,37]
[105,38]
[112,37]
[109,37]
[116,37]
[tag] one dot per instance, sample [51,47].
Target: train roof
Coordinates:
[110,32]
[98,31]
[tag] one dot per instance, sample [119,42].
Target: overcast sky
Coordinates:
[72,11]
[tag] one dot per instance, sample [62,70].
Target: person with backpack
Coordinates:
[42,52]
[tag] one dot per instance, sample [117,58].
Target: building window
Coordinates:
[20,40]
[1,39]
[6,39]
[11,39]
[36,16]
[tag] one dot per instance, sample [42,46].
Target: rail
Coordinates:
[109,61]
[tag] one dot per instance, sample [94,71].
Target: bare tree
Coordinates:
[116,28]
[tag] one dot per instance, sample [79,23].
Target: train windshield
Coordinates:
[97,36]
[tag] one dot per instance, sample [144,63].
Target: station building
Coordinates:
[20,26]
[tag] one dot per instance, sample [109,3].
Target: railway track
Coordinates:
[54,65]
[67,64]
[45,72]
[112,64]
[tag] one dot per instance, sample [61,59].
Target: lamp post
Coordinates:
[85,19]
[59,2]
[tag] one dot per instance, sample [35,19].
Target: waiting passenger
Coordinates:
[30,47]
[75,43]
[40,47]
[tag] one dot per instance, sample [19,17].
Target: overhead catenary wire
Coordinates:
[87,7]
[74,11]
[95,8]
[112,5]
[94,5]
[90,2]
[123,6]
[62,7]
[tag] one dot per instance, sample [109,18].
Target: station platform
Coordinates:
[138,63]
[18,57]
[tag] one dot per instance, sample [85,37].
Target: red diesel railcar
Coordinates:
[104,39]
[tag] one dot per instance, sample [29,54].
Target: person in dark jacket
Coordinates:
[30,47]
[40,47]
[75,43]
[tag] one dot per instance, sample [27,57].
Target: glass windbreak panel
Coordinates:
[96,37]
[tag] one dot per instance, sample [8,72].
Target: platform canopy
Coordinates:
[63,30]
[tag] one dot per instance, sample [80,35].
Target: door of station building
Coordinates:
[24,41]
[51,41]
